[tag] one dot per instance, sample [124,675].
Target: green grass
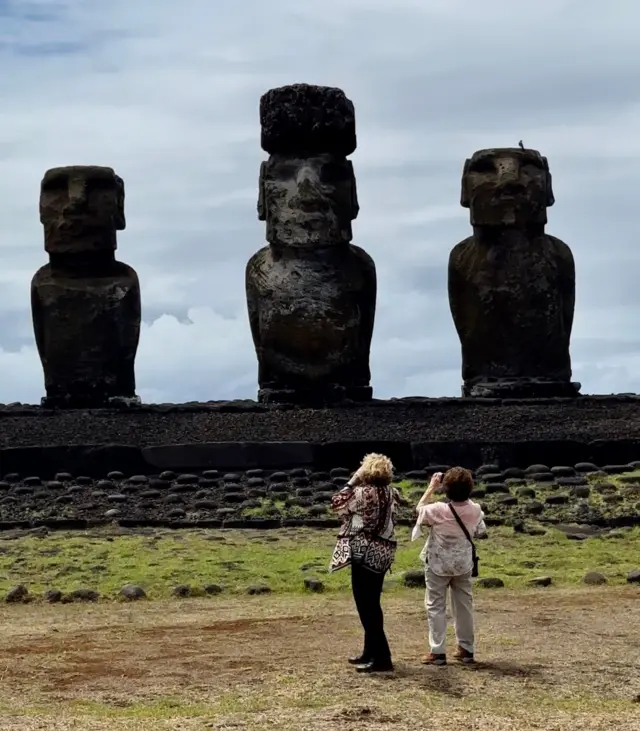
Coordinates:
[281,559]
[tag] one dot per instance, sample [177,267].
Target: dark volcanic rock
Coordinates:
[587,419]
[85,304]
[414,578]
[490,583]
[132,592]
[17,594]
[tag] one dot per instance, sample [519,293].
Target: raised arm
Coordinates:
[343,502]
[434,486]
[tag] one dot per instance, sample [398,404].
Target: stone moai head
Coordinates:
[79,204]
[307,189]
[507,188]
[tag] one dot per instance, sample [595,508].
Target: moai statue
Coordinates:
[511,285]
[311,294]
[85,304]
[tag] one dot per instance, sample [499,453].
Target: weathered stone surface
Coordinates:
[514,327]
[85,304]
[132,592]
[308,119]
[541,581]
[314,585]
[53,596]
[594,578]
[490,583]
[311,294]
[17,594]
[414,578]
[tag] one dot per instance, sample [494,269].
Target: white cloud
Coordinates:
[168,96]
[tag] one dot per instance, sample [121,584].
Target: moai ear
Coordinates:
[262,211]
[550,198]
[355,206]
[464,193]
[119,219]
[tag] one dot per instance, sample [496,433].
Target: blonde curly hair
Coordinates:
[375,469]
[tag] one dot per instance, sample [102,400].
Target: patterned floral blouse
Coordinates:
[367,532]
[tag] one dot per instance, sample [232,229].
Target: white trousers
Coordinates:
[461,610]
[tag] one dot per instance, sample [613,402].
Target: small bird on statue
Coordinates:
[521,145]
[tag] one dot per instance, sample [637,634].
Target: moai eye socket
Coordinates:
[483,165]
[55,184]
[334,173]
[97,184]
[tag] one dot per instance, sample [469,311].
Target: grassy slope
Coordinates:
[236,559]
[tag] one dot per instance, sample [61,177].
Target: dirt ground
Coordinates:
[550,659]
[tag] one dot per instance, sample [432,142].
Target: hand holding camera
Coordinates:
[436,482]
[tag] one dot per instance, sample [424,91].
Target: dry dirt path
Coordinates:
[551,659]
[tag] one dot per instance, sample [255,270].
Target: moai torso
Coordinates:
[311,294]
[85,304]
[511,285]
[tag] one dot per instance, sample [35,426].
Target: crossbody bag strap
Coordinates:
[464,527]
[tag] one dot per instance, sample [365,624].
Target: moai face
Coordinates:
[78,205]
[507,188]
[307,200]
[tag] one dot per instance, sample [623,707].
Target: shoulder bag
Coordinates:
[474,570]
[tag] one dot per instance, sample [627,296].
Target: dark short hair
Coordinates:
[458,484]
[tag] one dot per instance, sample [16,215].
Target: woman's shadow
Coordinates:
[446,680]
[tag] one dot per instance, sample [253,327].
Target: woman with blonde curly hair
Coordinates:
[366,542]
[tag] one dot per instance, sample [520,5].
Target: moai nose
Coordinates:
[307,176]
[77,194]
[508,172]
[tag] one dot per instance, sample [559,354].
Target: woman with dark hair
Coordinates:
[366,542]
[449,557]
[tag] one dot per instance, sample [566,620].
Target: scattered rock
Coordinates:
[605,487]
[536,468]
[557,499]
[132,592]
[582,491]
[615,469]
[534,507]
[181,590]
[633,577]
[586,467]
[593,578]
[490,583]
[541,581]
[613,498]
[513,472]
[83,595]
[258,589]
[414,579]
[561,471]
[571,481]
[526,492]
[496,487]
[17,594]
[314,585]
[53,596]
[213,589]
[541,476]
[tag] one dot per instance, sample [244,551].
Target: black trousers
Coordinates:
[367,590]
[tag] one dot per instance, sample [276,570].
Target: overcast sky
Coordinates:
[167,94]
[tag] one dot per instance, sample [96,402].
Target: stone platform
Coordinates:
[241,435]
